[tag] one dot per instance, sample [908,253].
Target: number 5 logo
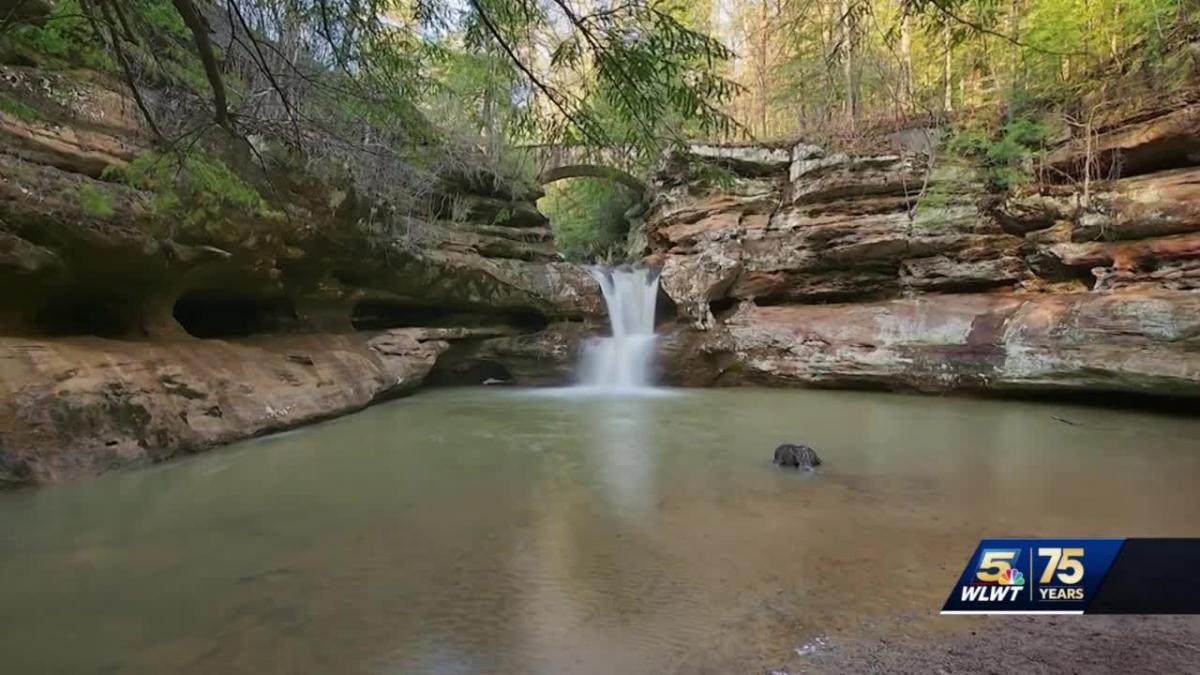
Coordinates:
[994,562]
[1066,561]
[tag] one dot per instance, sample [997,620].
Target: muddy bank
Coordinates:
[1020,644]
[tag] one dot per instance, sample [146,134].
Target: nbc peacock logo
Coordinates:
[1012,577]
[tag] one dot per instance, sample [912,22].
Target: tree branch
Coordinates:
[944,9]
[550,92]
[199,29]
[266,67]
[119,51]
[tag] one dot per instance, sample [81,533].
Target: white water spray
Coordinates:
[625,360]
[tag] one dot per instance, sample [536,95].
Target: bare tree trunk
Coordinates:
[848,70]
[947,90]
[1087,161]
[1112,38]
[762,57]
[488,113]
[292,48]
[115,42]
[1014,53]
[906,67]
[829,87]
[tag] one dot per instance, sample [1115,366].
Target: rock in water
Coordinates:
[799,456]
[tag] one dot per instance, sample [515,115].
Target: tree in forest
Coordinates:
[361,77]
[374,83]
[837,61]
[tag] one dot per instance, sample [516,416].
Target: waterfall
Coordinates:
[625,360]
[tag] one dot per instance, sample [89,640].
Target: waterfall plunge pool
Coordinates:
[508,531]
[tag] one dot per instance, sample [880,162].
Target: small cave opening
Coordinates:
[458,367]
[1148,265]
[1051,269]
[212,313]
[665,309]
[527,320]
[1100,400]
[373,315]
[1164,154]
[74,313]
[772,299]
[722,307]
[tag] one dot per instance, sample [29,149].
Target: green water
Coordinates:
[500,531]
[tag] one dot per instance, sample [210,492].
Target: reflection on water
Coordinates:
[617,445]
[469,531]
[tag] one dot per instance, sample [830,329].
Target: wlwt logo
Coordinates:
[996,577]
[1032,576]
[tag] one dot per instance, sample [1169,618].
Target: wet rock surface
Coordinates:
[78,406]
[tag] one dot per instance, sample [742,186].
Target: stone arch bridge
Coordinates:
[557,162]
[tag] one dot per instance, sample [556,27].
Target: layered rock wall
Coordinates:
[804,266]
[132,332]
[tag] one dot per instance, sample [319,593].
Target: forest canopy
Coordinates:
[809,63]
[627,74]
[641,73]
[374,85]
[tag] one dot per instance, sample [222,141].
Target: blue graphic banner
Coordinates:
[1033,576]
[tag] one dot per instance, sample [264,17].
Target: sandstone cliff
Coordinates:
[800,265]
[132,329]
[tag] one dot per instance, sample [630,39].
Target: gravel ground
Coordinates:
[1028,645]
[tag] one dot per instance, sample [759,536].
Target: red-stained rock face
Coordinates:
[1136,343]
[1152,142]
